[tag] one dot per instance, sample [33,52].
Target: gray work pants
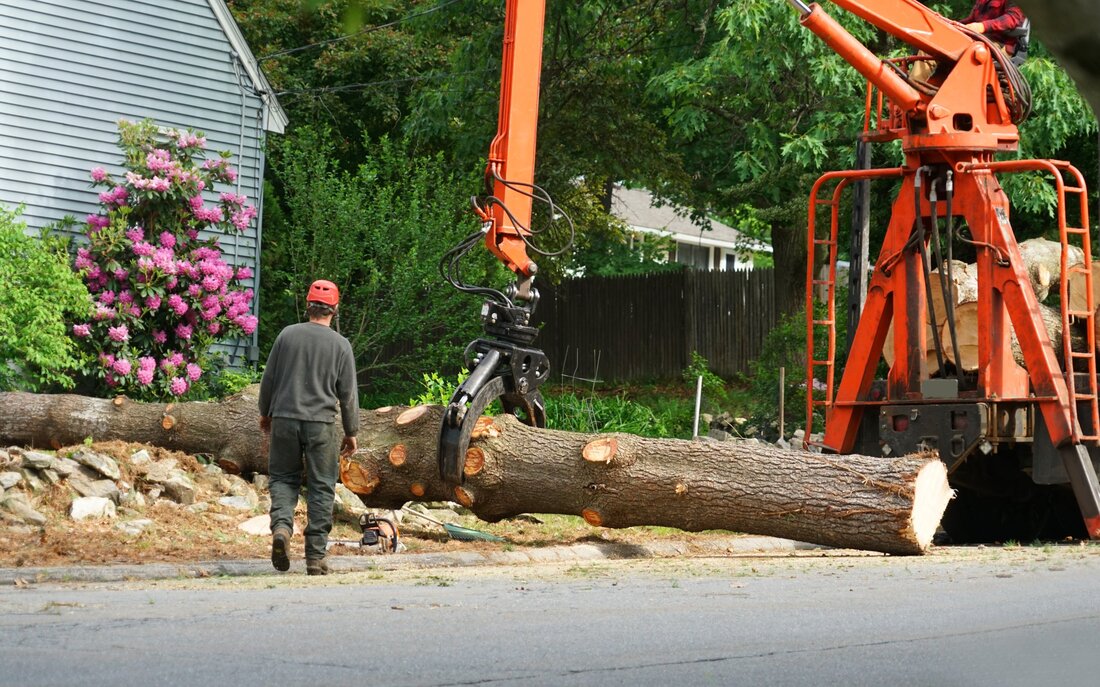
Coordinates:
[311,449]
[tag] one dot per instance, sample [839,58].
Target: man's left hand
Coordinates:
[349,446]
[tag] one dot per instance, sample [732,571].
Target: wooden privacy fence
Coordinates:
[646,327]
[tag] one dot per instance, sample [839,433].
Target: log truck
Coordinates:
[1019,443]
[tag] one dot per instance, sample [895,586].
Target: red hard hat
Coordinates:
[323,291]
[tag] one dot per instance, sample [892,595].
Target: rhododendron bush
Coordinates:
[161,294]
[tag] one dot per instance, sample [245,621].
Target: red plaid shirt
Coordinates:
[997,16]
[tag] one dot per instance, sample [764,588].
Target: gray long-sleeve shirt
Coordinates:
[309,369]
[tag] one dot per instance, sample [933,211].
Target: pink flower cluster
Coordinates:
[162,295]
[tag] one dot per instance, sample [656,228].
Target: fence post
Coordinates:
[698,405]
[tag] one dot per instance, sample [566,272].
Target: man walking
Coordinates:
[309,369]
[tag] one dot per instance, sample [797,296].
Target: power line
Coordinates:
[360,32]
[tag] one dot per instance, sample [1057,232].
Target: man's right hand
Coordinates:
[265,423]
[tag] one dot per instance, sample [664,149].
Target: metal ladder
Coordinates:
[829,323]
[1082,392]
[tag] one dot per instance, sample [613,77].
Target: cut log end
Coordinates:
[361,480]
[410,416]
[931,493]
[484,427]
[475,461]
[398,455]
[592,517]
[601,450]
[464,497]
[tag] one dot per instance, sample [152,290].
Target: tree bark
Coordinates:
[611,480]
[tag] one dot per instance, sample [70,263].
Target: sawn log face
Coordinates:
[612,480]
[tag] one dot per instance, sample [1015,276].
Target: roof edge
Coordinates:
[275,117]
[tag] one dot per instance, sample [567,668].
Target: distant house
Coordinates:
[721,247]
[69,70]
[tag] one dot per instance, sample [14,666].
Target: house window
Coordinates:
[697,257]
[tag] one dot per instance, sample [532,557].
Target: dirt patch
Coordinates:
[209,530]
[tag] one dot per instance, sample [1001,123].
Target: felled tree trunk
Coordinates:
[614,480]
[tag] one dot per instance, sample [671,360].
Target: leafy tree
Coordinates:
[38,293]
[730,108]
[787,109]
[378,233]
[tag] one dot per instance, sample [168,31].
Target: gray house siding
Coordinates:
[70,69]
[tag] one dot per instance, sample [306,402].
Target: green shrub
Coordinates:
[38,294]
[715,396]
[436,389]
[226,381]
[589,414]
[785,346]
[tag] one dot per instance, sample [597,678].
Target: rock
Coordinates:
[105,488]
[238,486]
[36,460]
[100,487]
[140,458]
[9,479]
[33,480]
[221,517]
[347,507]
[261,482]
[783,444]
[718,434]
[19,506]
[212,469]
[155,492]
[211,482]
[15,457]
[160,471]
[134,527]
[180,488]
[234,485]
[261,526]
[237,502]
[137,499]
[50,476]
[92,507]
[199,507]
[102,464]
[65,466]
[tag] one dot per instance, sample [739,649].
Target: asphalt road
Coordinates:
[1023,616]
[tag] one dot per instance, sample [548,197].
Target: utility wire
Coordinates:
[360,32]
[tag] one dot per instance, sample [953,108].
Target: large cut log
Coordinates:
[614,480]
[1078,294]
[1043,260]
[961,285]
[966,327]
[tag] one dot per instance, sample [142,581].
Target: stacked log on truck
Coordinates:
[1043,260]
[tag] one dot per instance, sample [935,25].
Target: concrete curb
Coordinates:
[414,561]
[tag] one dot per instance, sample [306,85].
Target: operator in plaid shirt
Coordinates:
[995,18]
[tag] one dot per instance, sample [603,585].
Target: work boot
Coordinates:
[316,566]
[280,545]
